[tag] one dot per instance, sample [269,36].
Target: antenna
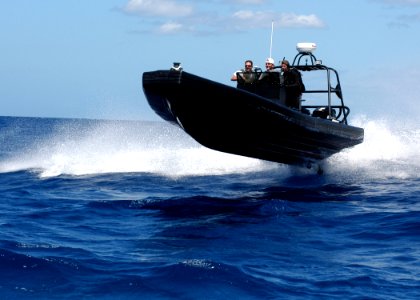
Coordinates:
[271,39]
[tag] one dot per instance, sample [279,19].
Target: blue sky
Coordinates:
[84,59]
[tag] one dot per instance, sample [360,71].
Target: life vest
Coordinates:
[247,77]
[299,80]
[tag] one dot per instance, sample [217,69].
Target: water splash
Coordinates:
[82,147]
[390,149]
[111,147]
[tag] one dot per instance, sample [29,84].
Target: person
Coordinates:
[269,65]
[293,85]
[269,81]
[246,78]
[249,68]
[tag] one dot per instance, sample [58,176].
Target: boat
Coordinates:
[252,118]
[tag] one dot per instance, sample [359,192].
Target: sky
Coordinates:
[84,59]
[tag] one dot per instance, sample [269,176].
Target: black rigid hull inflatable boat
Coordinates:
[252,119]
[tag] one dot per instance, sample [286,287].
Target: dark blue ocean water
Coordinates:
[94,209]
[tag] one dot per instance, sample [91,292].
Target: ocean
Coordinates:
[97,209]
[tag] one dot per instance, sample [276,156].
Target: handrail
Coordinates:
[316,65]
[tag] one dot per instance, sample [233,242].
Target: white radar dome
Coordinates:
[306,47]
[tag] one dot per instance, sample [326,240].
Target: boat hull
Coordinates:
[235,121]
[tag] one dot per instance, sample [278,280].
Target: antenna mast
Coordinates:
[271,39]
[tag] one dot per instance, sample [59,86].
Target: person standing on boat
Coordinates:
[293,85]
[246,78]
[269,81]
[245,72]
[269,65]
